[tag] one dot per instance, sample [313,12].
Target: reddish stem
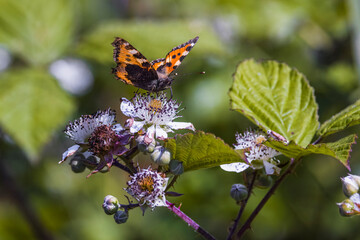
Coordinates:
[189,221]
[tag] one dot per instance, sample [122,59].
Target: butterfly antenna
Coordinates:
[171,93]
[176,74]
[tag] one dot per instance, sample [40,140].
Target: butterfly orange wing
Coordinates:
[132,67]
[174,58]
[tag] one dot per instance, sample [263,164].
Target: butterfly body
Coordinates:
[134,69]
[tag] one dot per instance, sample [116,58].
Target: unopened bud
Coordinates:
[349,185]
[176,167]
[145,144]
[356,178]
[77,164]
[263,181]
[110,205]
[92,161]
[346,208]
[238,192]
[121,216]
[151,147]
[160,155]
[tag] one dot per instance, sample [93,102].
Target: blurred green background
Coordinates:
[55,63]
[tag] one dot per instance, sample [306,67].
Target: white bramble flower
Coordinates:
[153,113]
[97,135]
[148,187]
[81,129]
[257,155]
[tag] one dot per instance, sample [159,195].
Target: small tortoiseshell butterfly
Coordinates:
[134,69]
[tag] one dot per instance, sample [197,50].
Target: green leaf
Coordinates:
[201,150]
[168,34]
[348,117]
[339,150]
[275,97]
[38,31]
[32,106]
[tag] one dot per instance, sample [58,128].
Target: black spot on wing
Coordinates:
[173,56]
[194,40]
[159,69]
[168,64]
[182,58]
[139,55]
[189,48]
[174,67]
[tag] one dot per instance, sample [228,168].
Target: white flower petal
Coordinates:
[117,127]
[234,167]
[160,133]
[81,129]
[150,131]
[70,152]
[160,201]
[136,126]
[181,125]
[127,108]
[271,169]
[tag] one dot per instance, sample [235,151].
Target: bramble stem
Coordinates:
[127,158]
[119,165]
[242,208]
[289,170]
[189,221]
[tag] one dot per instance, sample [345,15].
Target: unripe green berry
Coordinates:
[238,192]
[76,163]
[121,216]
[263,181]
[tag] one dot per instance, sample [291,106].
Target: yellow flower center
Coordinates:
[147,184]
[155,105]
[260,139]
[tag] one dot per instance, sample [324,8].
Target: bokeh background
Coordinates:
[55,63]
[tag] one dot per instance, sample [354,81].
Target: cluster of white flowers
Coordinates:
[257,155]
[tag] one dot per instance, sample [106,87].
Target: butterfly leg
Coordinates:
[171,93]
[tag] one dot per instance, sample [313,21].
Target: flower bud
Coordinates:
[263,181]
[355,178]
[176,167]
[145,144]
[92,161]
[151,147]
[160,155]
[346,208]
[121,216]
[110,205]
[238,192]
[76,163]
[349,185]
